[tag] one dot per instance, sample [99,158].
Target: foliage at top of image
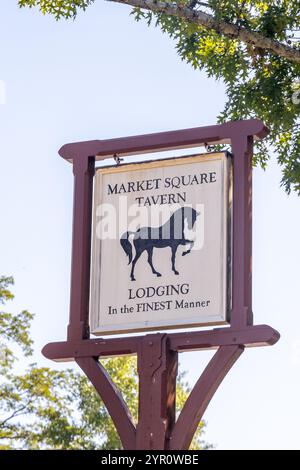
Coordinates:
[58,8]
[252,46]
[44,408]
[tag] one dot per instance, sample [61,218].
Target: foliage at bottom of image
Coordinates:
[45,408]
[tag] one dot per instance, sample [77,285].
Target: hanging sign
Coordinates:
[161,245]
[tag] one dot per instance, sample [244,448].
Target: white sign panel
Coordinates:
[160,245]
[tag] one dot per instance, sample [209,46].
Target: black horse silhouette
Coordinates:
[170,234]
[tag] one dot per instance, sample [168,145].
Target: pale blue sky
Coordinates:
[106,76]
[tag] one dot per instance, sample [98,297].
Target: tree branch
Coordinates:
[16,413]
[222,27]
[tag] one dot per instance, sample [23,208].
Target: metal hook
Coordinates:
[208,148]
[117,159]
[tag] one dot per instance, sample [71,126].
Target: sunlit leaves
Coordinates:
[14,328]
[58,8]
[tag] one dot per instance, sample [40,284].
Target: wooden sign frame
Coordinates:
[185,320]
[157,354]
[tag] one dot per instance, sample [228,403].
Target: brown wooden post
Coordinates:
[242,150]
[157,368]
